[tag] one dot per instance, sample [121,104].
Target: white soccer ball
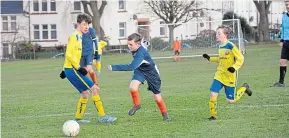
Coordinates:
[70,128]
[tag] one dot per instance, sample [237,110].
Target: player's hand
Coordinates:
[206,56]
[83,71]
[95,53]
[281,44]
[109,67]
[231,69]
[62,75]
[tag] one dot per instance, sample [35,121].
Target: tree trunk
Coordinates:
[263,25]
[171,35]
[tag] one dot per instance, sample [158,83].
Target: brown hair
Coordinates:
[135,36]
[226,30]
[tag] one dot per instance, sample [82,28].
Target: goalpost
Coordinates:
[196,38]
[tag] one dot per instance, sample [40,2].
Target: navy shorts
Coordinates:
[86,60]
[98,57]
[79,81]
[177,52]
[152,78]
[285,50]
[217,86]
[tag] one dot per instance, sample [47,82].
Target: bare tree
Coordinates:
[172,12]
[92,8]
[263,25]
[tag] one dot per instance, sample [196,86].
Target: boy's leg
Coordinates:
[161,104]
[244,89]
[179,56]
[215,88]
[90,70]
[175,55]
[76,80]
[137,79]
[134,87]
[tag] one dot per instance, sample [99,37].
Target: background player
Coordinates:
[230,59]
[77,74]
[177,49]
[284,43]
[144,69]
[89,51]
[97,58]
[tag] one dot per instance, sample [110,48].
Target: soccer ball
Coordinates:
[70,128]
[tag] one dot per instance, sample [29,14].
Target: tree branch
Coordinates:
[85,7]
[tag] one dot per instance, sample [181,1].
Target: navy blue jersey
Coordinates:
[141,60]
[89,42]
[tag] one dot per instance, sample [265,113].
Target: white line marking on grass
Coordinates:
[149,111]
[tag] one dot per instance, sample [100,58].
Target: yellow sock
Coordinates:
[81,106]
[98,66]
[239,94]
[213,104]
[98,105]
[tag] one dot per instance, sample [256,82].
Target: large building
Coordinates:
[50,22]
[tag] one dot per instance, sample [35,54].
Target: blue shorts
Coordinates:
[152,78]
[217,86]
[79,81]
[86,60]
[98,57]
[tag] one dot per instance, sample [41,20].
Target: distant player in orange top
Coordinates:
[177,49]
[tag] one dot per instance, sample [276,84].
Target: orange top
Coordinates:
[177,45]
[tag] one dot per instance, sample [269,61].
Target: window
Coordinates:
[44,31]
[36,31]
[35,6]
[122,29]
[44,5]
[121,4]
[5,23]
[13,23]
[52,5]
[53,31]
[163,29]
[77,6]
[5,50]
[9,23]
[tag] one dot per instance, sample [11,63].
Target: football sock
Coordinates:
[98,105]
[179,58]
[239,94]
[282,74]
[80,109]
[135,97]
[213,104]
[162,106]
[98,66]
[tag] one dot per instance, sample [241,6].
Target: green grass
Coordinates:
[36,102]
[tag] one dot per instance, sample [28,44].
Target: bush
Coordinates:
[159,44]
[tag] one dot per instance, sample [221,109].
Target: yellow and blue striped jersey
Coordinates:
[101,44]
[73,51]
[229,56]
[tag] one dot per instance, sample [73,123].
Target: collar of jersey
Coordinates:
[224,44]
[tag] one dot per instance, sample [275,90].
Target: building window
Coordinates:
[44,5]
[36,31]
[77,6]
[52,5]
[163,29]
[5,50]
[44,31]
[122,29]
[9,23]
[13,23]
[36,5]
[121,4]
[53,31]
[5,23]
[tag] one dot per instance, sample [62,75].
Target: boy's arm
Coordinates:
[93,36]
[239,58]
[215,59]
[282,32]
[137,61]
[70,52]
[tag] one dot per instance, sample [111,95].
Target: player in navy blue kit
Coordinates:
[284,43]
[89,51]
[144,69]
